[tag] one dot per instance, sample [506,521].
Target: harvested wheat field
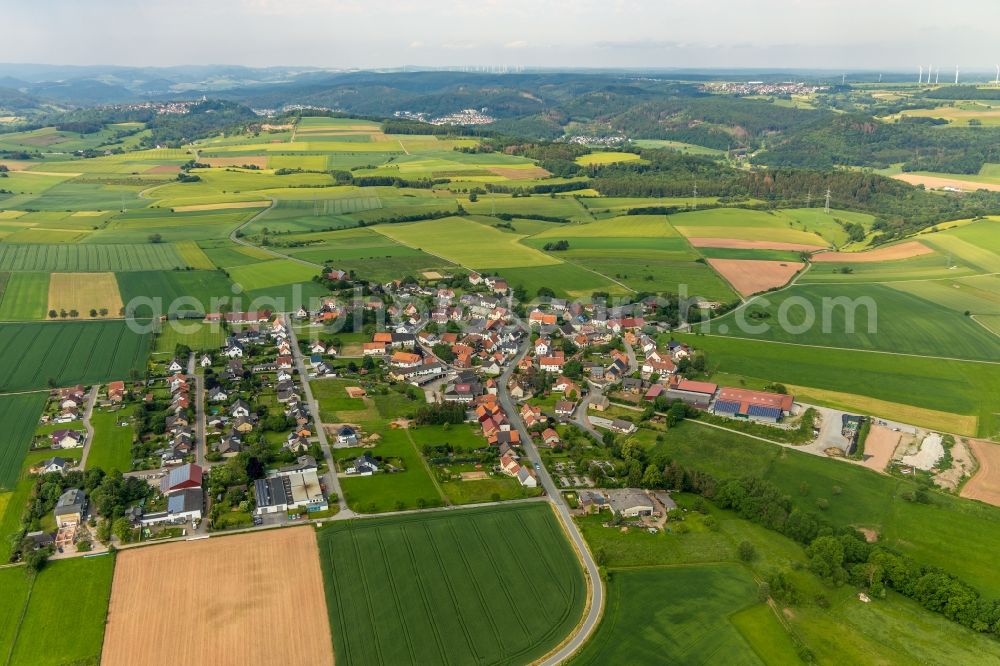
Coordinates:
[937,182]
[879,447]
[85,292]
[164,168]
[741,244]
[241,599]
[985,485]
[259,161]
[749,276]
[221,206]
[514,173]
[906,250]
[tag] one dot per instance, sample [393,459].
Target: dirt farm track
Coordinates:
[242,599]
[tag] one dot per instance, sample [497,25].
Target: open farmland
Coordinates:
[19,416]
[25,297]
[64,353]
[45,634]
[748,276]
[467,243]
[180,291]
[870,316]
[85,257]
[84,292]
[272,273]
[741,224]
[985,484]
[958,387]
[686,613]
[492,586]
[265,603]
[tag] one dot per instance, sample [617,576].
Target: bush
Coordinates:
[747,552]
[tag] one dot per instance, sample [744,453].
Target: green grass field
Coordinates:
[959,387]
[178,291]
[467,243]
[743,224]
[684,613]
[25,298]
[955,534]
[606,157]
[196,335]
[63,353]
[47,634]
[385,491]
[884,319]
[19,416]
[497,585]
[84,257]
[271,274]
[112,445]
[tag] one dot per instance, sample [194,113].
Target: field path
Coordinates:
[427,466]
[400,141]
[234,237]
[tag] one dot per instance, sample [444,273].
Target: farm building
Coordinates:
[631,503]
[753,405]
[696,394]
[291,489]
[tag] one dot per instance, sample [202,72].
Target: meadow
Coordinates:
[495,585]
[196,335]
[112,445]
[182,291]
[83,584]
[686,615]
[959,387]
[466,243]
[25,297]
[271,274]
[955,534]
[49,354]
[742,224]
[885,320]
[19,415]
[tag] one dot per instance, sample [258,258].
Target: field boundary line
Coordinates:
[368,595]
[20,621]
[451,591]
[479,596]
[493,564]
[852,349]
[447,500]
[395,595]
[431,618]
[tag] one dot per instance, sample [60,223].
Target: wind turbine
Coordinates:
[997,82]
[920,76]
[937,75]
[956,75]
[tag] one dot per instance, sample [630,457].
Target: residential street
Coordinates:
[88,411]
[200,438]
[596,607]
[332,483]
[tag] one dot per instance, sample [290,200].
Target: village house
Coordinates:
[70,508]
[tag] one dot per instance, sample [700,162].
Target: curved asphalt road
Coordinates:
[593,574]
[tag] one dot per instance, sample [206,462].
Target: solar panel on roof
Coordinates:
[760,410]
[727,406]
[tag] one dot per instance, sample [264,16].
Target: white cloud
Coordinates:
[516,44]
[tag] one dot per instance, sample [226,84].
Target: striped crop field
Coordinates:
[86,258]
[19,416]
[44,354]
[499,585]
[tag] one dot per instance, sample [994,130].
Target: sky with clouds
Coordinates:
[834,34]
